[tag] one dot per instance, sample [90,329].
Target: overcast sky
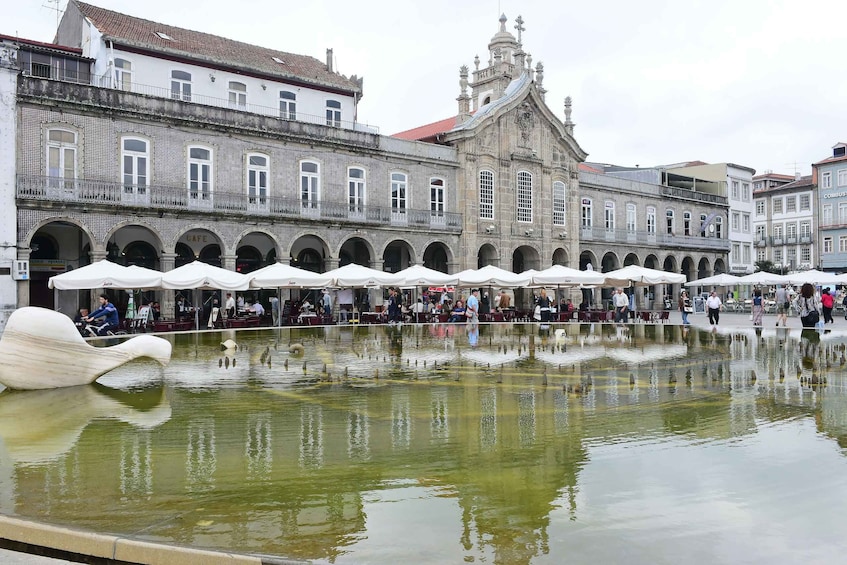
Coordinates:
[760,83]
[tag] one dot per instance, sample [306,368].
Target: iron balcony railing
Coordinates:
[114,194]
[600,234]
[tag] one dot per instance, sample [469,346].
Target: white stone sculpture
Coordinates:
[41,349]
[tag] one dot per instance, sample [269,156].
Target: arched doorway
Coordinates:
[184,255]
[560,257]
[57,247]
[398,255]
[435,257]
[525,258]
[200,244]
[702,268]
[248,259]
[630,259]
[254,251]
[355,250]
[487,255]
[211,255]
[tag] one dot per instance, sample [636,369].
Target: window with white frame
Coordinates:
[181,85]
[609,215]
[777,256]
[777,205]
[826,214]
[123,74]
[486,195]
[237,95]
[135,155]
[827,245]
[686,223]
[200,184]
[399,184]
[805,254]
[524,196]
[791,230]
[792,257]
[587,214]
[790,203]
[735,190]
[310,184]
[333,113]
[736,218]
[719,227]
[806,229]
[761,232]
[760,207]
[436,197]
[61,156]
[356,190]
[760,254]
[559,203]
[745,223]
[842,212]
[669,216]
[631,219]
[702,225]
[805,202]
[826,179]
[258,173]
[287,105]
[736,253]
[842,177]
[651,220]
[745,191]
[777,232]
[747,253]
[842,244]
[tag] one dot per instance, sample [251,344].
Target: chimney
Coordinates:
[329,60]
[797,175]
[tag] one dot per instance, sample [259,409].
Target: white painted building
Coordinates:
[783,223]
[8,220]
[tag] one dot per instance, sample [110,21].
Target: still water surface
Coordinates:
[379,445]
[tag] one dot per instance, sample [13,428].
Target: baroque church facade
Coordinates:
[153,145]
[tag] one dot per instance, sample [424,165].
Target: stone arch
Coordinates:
[651,262]
[720,266]
[309,251]
[356,249]
[631,259]
[687,268]
[95,245]
[129,233]
[588,258]
[258,232]
[525,257]
[560,257]
[487,255]
[63,249]
[255,249]
[437,256]
[397,255]
[610,262]
[184,234]
[702,269]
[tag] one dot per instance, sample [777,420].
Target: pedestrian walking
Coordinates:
[714,306]
[758,307]
[782,305]
[685,307]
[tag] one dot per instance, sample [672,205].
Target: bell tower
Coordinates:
[505,63]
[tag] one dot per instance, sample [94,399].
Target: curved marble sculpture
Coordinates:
[41,349]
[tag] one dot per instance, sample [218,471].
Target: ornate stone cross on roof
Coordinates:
[519,21]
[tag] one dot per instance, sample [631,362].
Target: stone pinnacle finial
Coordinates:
[568,123]
[476,62]
[503,20]
[463,79]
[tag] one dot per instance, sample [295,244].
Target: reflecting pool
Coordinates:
[435,444]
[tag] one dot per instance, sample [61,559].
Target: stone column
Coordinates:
[228,262]
[96,254]
[331,263]
[168,302]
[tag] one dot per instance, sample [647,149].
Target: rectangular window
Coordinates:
[777,205]
[356,191]
[436,198]
[586,214]
[310,185]
[777,256]
[237,95]
[558,203]
[287,105]
[199,173]
[735,220]
[842,177]
[747,253]
[842,212]
[791,230]
[486,195]
[123,74]
[760,254]
[651,220]
[805,253]
[631,220]
[735,190]
[399,184]
[790,204]
[842,244]
[181,85]
[777,232]
[805,202]
[524,196]
[761,233]
[134,165]
[792,256]
[827,214]
[826,180]
[257,178]
[805,229]
[333,113]
[745,223]
[670,221]
[827,245]
[745,191]
[609,216]
[760,207]
[736,253]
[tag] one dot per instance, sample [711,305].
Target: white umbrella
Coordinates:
[418,275]
[815,277]
[723,279]
[280,275]
[634,275]
[492,276]
[762,277]
[105,274]
[357,276]
[199,275]
[560,275]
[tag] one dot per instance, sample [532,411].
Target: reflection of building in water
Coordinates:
[358,430]
[258,449]
[136,463]
[439,427]
[311,436]
[201,456]
[401,419]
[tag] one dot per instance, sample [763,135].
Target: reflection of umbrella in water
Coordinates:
[646,354]
[493,357]
[573,354]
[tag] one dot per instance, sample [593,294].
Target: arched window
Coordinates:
[310,185]
[333,113]
[200,184]
[436,198]
[356,190]
[651,220]
[181,85]
[399,185]
[61,157]
[609,215]
[670,221]
[135,156]
[686,223]
[123,74]
[524,197]
[486,195]
[587,214]
[559,203]
[631,218]
[237,95]
[719,227]
[258,173]
[287,105]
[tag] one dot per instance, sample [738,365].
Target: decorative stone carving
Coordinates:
[525,118]
[41,349]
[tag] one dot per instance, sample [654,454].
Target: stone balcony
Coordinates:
[652,239]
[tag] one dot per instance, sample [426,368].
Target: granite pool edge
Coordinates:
[30,536]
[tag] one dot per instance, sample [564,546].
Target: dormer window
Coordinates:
[839,150]
[164,35]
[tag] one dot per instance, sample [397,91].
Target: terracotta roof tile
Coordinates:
[802,182]
[427,132]
[203,47]
[832,160]
[590,169]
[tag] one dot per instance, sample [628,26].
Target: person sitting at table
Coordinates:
[568,307]
[457,314]
[305,307]
[256,308]
[505,301]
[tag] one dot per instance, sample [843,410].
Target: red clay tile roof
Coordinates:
[832,160]
[135,32]
[427,132]
[590,169]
